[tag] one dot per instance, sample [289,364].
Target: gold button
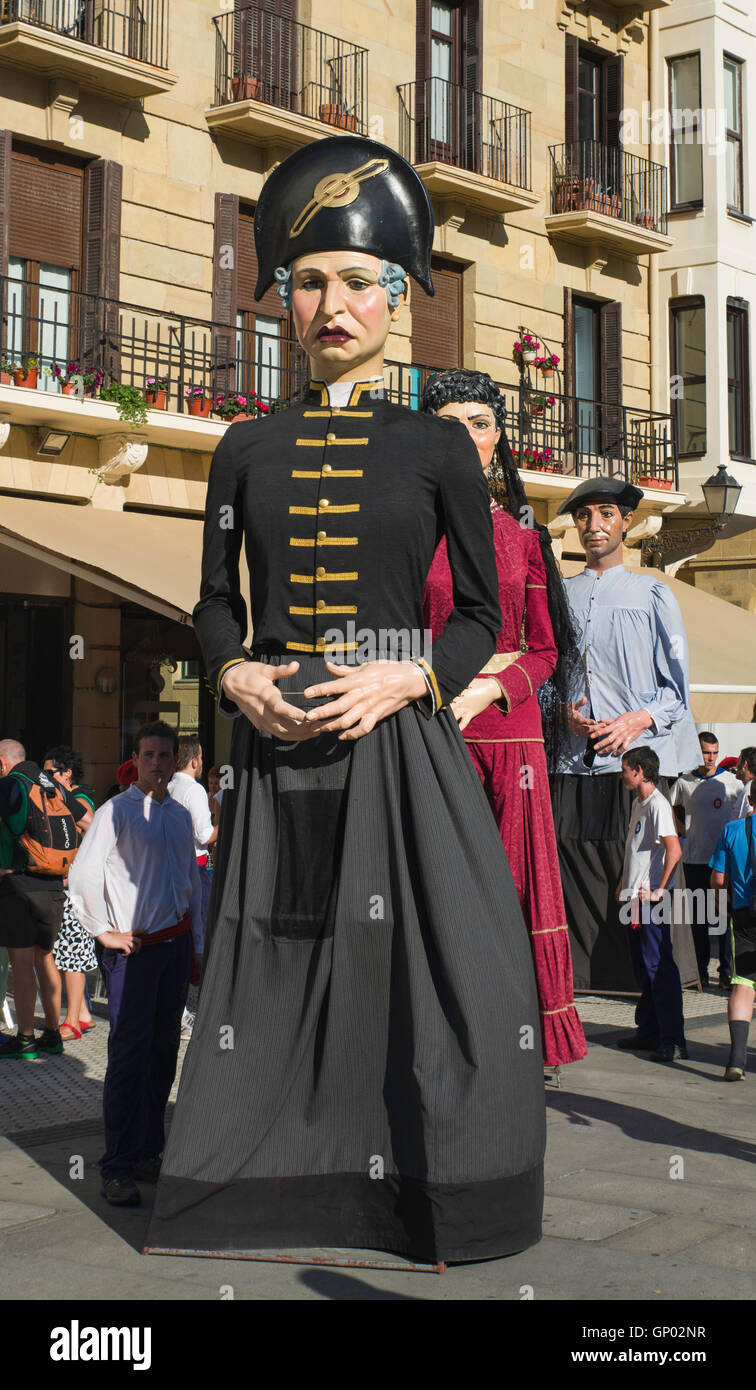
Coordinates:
[330,438]
[321,536]
[320,603]
[327,468]
[324,502]
[320,572]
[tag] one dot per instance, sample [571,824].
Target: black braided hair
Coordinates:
[505,486]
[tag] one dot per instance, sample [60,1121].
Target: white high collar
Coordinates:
[339,392]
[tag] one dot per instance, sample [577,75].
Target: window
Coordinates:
[686,161]
[688,368]
[733,82]
[738,392]
[589,98]
[444,69]
[446,114]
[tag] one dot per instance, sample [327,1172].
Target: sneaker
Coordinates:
[147,1169]
[50,1042]
[639,1042]
[734,1074]
[670,1052]
[120,1192]
[26,1049]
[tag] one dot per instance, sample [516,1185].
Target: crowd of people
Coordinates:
[418,860]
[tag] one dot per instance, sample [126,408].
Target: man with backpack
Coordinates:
[38,843]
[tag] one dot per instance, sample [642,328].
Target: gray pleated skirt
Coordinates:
[365,1068]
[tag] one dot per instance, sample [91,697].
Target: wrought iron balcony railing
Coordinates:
[443,121]
[587,176]
[135,29]
[133,345]
[260,56]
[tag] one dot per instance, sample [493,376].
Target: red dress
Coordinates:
[506,746]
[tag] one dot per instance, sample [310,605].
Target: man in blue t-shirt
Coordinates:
[734,862]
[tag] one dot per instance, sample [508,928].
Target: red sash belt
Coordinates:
[202,861]
[154,938]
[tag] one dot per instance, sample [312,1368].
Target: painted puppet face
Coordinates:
[480,423]
[601,528]
[341,313]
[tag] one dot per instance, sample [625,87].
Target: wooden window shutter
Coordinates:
[225,289]
[5,204]
[470,80]
[101,265]
[613,75]
[437,322]
[611,379]
[46,202]
[422,73]
[571,48]
[248,270]
[569,371]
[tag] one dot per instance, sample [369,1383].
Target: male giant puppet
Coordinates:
[634,691]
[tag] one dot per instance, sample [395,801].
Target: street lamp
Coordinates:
[721,492]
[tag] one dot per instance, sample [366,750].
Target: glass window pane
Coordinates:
[688,168]
[731,74]
[690,360]
[441,18]
[735,383]
[54,320]
[734,199]
[268,380]
[587,117]
[685,84]
[587,74]
[441,58]
[16,294]
[440,107]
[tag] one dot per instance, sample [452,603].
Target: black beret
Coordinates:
[602,490]
[344,193]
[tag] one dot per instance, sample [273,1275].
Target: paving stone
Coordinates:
[20,1213]
[735,1250]
[660,1195]
[571,1219]
[667,1235]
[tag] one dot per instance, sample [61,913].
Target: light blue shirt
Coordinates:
[630,632]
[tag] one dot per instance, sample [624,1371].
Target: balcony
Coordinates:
[467,148]
[278,82]
[118,47]
[602,196]
[558,440]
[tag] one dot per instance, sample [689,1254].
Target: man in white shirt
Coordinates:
[136,888]
[652,853]
[745,773]
[704,801]
[186,788]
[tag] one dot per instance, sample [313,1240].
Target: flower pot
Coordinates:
[242,416]
[245,88]
[6,379]
[28,378]
[648,480]
[536,409]
[157,400]
[529,355]
[645,219]
[333,113]
[200,405]
[546,371]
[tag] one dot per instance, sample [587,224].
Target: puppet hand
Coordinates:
[364,695]
[616,735]
[252,688]
[474,700]
[577,722]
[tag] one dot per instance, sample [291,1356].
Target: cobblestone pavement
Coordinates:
[650,1189]
[56,1090]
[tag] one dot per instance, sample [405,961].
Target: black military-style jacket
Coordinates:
[341,511]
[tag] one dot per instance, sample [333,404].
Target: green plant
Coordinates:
[129,402]
[7,364]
